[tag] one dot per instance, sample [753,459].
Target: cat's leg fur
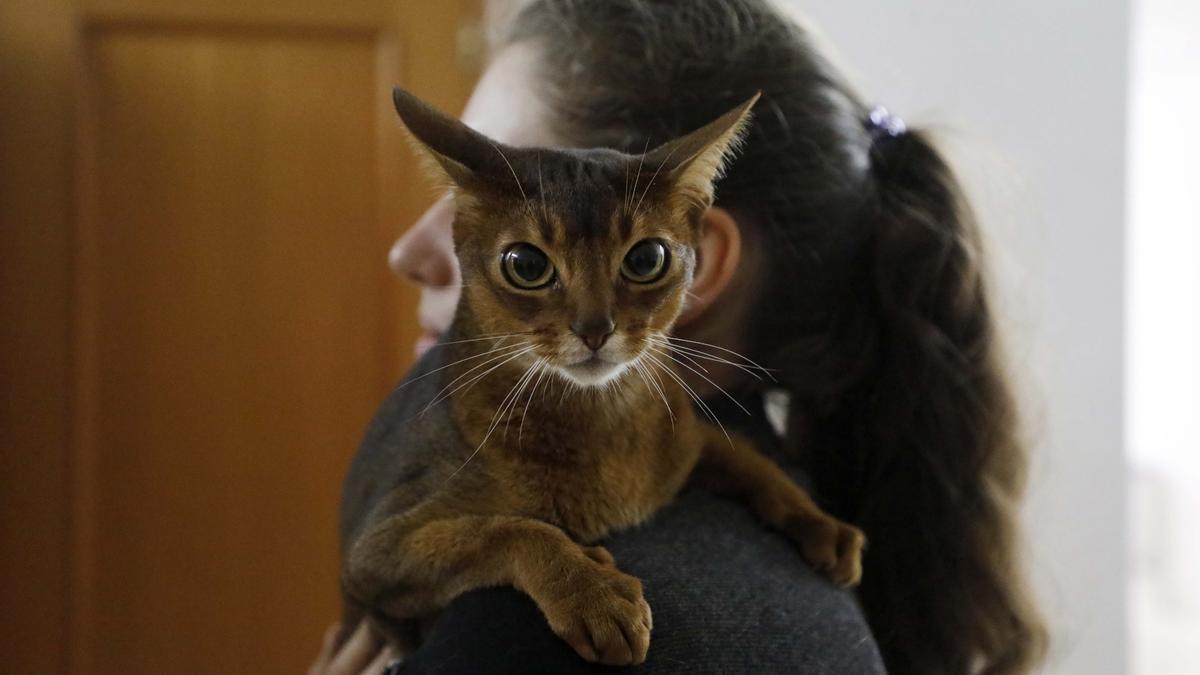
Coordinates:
[832,547]
[589,603]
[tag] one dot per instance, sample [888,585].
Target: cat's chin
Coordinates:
[593,372]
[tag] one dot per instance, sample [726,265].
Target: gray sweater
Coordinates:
[728,595]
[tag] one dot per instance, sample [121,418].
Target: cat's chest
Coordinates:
[588,501]
[599,484]
[587,462]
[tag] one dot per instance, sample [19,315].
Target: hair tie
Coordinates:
[882,124]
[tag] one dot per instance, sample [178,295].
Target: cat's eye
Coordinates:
[646,261]
[526,266]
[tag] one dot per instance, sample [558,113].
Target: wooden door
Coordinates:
[197,320]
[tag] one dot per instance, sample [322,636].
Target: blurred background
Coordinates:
[196,319]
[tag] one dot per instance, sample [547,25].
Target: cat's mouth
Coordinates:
[592,370]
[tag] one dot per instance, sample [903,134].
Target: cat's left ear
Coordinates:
[455,153]
[692,163]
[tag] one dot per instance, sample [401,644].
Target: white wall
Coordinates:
[1164,332]
[1032,95]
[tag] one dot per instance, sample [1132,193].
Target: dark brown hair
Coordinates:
[874,312]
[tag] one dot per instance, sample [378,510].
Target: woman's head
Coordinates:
[859,286]
[505,107]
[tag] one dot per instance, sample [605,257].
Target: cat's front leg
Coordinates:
[588,602]
[834,548]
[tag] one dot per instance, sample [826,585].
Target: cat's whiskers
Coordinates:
[542,370]
[471,385]
[674,343]
[526,379]
[691,393]
[652,387]
[658,382]
[690,360]
[452,364]
[676,359]
[566,385]
[481,338]
[697,354]
[549,381]
[521,349]
[610,387]
[747,359]
[508,402]
[495,422]
[663,367]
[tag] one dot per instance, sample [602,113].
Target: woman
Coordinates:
[839,254]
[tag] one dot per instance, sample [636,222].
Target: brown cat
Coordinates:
[575,264]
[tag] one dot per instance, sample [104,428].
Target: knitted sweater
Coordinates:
[728,596]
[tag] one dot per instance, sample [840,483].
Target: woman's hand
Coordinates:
[363,654]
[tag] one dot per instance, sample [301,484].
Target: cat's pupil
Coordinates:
[646,261]
[529,265]
[645,258]
[526,266]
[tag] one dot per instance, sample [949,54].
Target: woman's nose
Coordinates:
[425,254]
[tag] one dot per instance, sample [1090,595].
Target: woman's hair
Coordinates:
[872,311]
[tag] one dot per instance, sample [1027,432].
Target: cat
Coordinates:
[549,415]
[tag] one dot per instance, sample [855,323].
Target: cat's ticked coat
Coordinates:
[550,416]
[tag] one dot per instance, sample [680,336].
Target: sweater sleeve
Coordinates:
[728,596]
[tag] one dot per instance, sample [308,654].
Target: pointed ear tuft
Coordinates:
[455,153]
[695,161]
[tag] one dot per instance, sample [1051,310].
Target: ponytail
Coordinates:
[923,453]
[871,312]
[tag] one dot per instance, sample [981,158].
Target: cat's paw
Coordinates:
[832,547]
[603,617]
[600,555]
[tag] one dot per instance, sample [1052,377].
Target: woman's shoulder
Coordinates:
[727,594]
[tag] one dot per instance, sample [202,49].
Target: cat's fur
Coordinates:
[514,476]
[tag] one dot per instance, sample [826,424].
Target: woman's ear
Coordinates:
[717,260]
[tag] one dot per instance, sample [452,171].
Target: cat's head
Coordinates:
[584,255]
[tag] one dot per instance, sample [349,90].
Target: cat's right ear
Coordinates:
[453,152]
[694,161]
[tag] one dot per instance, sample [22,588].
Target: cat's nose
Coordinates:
[594,331]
